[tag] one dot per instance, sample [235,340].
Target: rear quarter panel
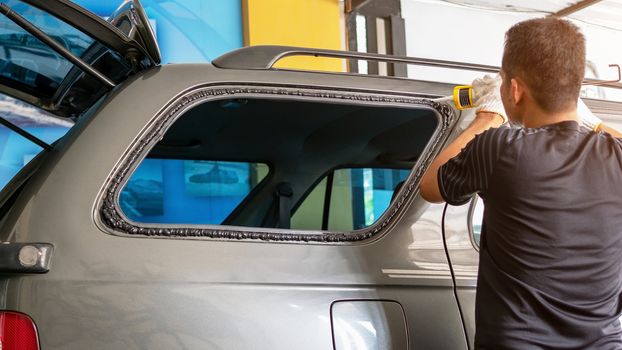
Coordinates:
[111,292]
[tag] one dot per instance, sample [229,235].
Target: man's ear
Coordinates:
[517,91]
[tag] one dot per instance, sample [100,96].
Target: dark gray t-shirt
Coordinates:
[550,270]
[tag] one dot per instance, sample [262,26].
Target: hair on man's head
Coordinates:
[548,54]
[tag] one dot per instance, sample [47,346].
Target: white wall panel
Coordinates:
[443,30]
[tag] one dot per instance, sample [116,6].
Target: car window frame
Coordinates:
[109,219]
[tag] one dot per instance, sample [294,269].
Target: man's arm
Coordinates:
[429,184]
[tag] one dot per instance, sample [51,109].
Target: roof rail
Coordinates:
[266,56]
[262,57]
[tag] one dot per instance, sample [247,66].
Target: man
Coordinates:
[550,273]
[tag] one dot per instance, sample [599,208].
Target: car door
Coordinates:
[462,225]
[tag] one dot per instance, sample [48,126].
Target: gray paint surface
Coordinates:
[108,292]
[370,324]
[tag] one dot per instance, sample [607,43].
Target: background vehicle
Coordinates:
[231,205]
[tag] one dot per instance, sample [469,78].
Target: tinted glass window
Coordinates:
[26,60]
[355,199]
[15,150]
[188,191]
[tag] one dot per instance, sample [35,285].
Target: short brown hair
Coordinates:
[548,54]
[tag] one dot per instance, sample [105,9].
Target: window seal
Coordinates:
[110,219]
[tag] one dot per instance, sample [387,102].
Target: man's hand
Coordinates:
[487,95]
[490,113]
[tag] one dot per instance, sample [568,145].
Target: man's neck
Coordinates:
[536,117]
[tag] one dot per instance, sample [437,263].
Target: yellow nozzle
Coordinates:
[463,97]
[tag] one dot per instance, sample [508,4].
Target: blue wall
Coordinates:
[187,30]
[16,151]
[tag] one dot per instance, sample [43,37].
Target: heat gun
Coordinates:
[463,96]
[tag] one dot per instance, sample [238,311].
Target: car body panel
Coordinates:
[105,291]
[132,20]
[369,324]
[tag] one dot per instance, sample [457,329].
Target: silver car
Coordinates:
[228,205]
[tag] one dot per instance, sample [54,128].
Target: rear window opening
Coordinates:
[288,164]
